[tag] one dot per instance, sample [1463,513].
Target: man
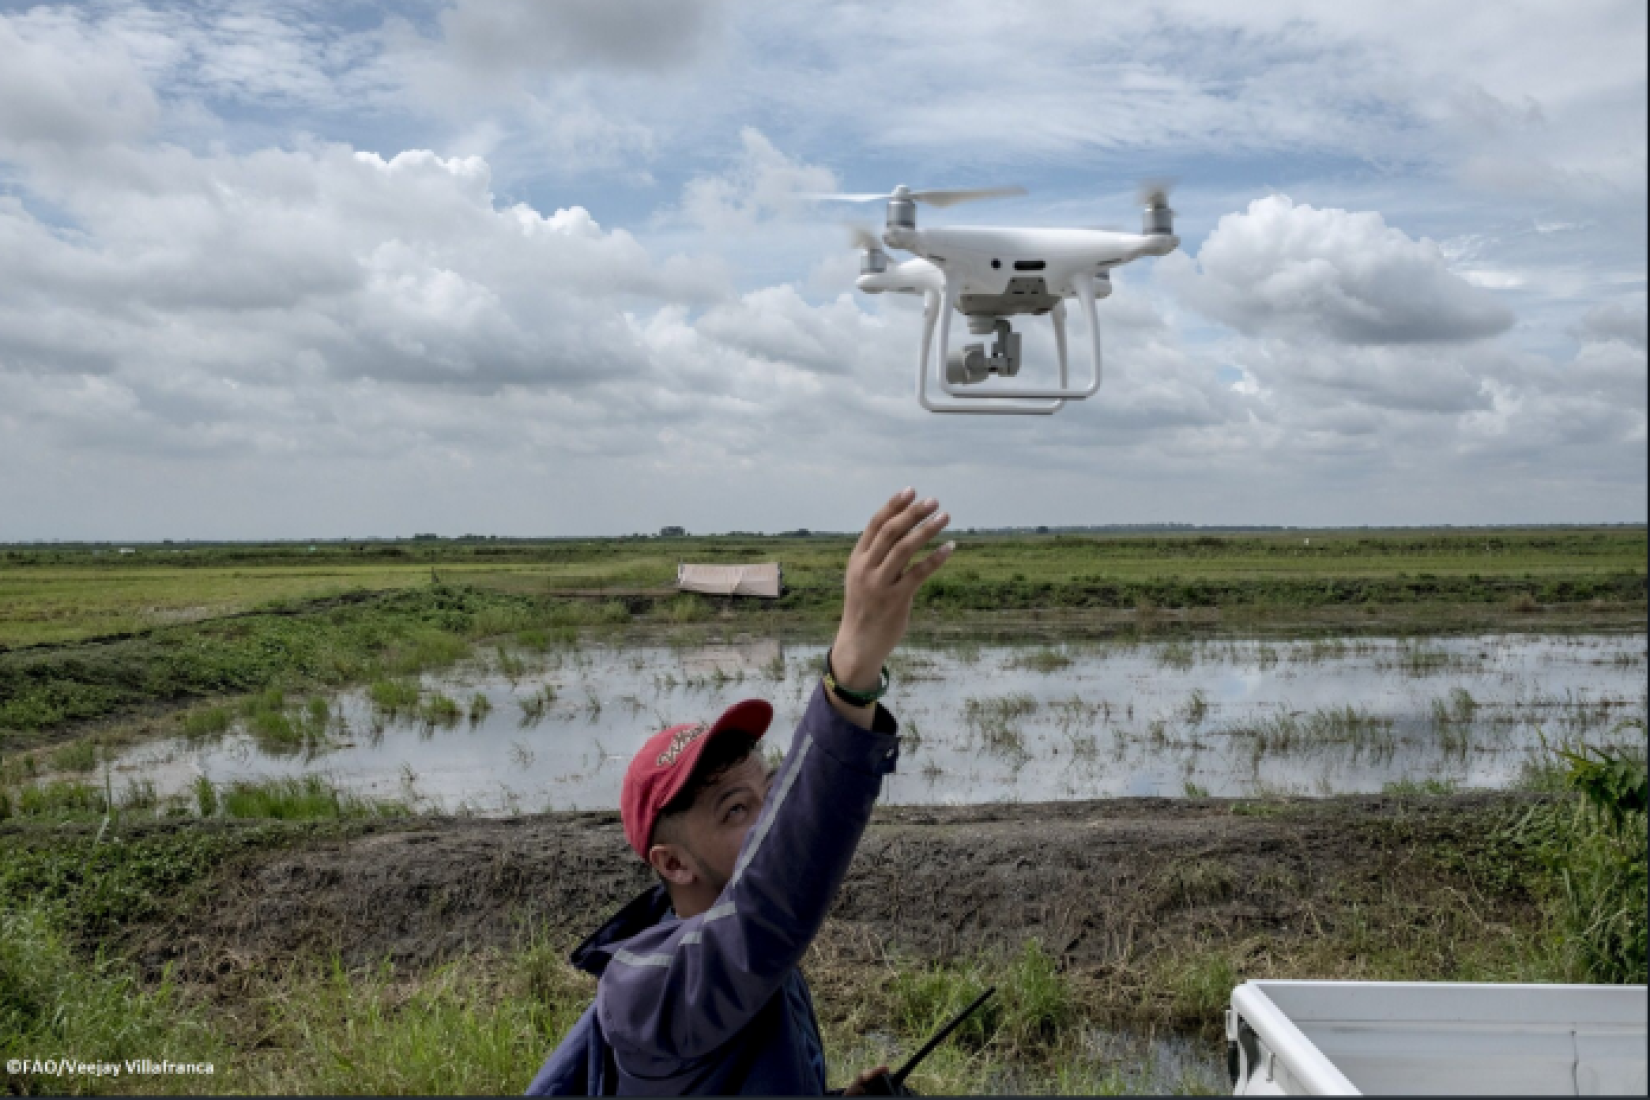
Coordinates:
[699,991]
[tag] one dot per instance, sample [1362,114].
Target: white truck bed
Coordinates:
[1289,1038]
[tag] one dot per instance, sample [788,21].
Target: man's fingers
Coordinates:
[927,567]
[901,553]
[897,528]
[896,503]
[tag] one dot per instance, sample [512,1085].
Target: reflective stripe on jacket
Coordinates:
[714,1004]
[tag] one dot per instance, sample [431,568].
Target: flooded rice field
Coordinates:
[523,731]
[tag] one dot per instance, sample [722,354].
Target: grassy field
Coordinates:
[1504,889]
[65,594]
[97,647]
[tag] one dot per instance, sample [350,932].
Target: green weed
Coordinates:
[207,722]
[301,798]
[76,756]
[392,696]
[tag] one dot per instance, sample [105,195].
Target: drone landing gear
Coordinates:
[931,315]
[962,372]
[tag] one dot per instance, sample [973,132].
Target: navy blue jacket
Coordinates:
[714,1004]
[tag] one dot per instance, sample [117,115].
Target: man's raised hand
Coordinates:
[880,585]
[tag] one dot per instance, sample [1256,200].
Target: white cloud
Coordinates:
[64,85]
[762,183]
[1348,277]
[225,315]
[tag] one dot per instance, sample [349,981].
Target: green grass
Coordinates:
[207,721]
[1043,659]
[55,1003]
[181,625]
[1287,732]
[484,1021]
[393,695]
[441,710]
[70,593]
[77,756]
[1593,845]
[304,798]
[56,798]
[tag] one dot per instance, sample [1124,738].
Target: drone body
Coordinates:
[992,274]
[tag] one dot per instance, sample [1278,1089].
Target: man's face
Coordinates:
[702,845]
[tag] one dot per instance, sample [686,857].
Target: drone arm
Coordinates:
[1083,284]
[931,306]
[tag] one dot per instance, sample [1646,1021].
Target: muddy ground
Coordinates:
[1100,883]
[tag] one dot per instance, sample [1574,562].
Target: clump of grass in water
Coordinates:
[393,696]
[300,798]
[206,796]
[263,702]
[510,666]
[533,706]
[57,798]
[1197,707]
[996,721]
[1193,790]
[1043,659]
[1452,722]
[1288,732]
[273,727]
[77,756]
[1179,656]
[1075,714]
[422,649]
[441,710]
[480,707]
[140,794]
[208,722]
[1419,659]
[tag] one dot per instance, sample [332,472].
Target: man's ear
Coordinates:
[668,860]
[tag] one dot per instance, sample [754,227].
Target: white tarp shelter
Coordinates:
[731,580]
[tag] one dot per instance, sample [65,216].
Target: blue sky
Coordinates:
[315,270]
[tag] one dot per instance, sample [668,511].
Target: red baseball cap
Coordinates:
[661,767]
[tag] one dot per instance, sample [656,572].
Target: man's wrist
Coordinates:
[852,671]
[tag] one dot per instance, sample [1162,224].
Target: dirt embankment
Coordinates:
[1100,883]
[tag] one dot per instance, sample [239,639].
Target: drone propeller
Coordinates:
[1156,216]
[1155,190]
[931,198]
[862,236]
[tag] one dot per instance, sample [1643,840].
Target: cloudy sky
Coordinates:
[502,266]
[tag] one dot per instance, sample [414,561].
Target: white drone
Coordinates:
[990,275]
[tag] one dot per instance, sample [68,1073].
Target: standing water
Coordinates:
[981,723]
